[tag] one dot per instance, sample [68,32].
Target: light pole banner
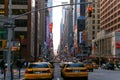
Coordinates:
[47,31]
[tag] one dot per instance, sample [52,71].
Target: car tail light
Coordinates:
[26,71]
[48,71]
[66,70]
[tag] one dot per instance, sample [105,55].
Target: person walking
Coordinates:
[2,66]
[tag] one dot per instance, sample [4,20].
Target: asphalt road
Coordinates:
[97,74]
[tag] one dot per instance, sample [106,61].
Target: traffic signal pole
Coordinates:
[10,36]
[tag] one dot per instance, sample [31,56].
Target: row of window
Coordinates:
[14,11]
[3,33]
[108,2]
[110,23]
[98,10]
[96,21]
[110,11]
[113,28]
[1,1]
[21,23]
[110,18]
[96,16]
[18,33]
[2,12]
[19,11]
[94,27]
[16,2]
[20,2]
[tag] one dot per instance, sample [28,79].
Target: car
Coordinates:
[72,70]
[109,66]
[39,70]
[95,65]
[89,65]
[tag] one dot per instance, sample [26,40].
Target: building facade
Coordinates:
[109,24]
[22,24]
[93,22]
[30,28]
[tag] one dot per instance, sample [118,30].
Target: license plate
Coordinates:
[37,72]
[76,71]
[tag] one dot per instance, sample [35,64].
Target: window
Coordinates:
[20,2]
[93,10]
[1,1]
[118,12]
[18,33]
[98,21]
[75,65]
[118,25]
[18,11]
[118,19]
[38,66]
[21,23]
[93,21]
[98,10]
[93,33]
[2,12]
[98,27]
[3,33]
[98,16]
[93,27]
[93,16]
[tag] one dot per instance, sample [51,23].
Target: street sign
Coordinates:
[5,22]
[15,46]
[3,19]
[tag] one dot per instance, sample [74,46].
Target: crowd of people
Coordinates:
[17,64]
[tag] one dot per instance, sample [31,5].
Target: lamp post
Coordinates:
[10,36]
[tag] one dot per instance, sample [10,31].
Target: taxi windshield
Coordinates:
[38,66]
[75,65]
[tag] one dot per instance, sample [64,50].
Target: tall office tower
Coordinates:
[109,24]
[22,28]
[93,22]
[110,11]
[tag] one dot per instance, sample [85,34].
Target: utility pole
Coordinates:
[10,37]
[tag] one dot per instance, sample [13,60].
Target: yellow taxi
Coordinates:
[39,70]
[89,65]
[73,70]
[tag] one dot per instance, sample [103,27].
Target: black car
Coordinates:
[109,66]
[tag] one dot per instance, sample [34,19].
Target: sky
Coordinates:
[57,14]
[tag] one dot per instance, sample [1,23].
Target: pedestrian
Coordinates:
[18,64]
[2,66]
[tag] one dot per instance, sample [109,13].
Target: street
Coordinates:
[104,75]
[97,74]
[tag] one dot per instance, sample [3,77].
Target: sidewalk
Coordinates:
[16,74]
[116,69]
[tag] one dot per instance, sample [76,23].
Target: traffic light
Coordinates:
[89,11]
